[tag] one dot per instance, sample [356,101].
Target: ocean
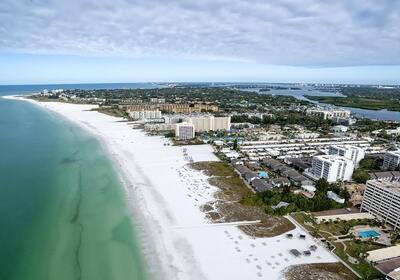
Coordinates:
[63,213]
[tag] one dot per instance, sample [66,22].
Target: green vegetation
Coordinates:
[361,175]
[228,99]
[364,98]
[372,92]
[229,207]
[358,102]
[216,168]
[113,111]
[297,202]
[194,141]
[319,271]
[344,247]
[369,164]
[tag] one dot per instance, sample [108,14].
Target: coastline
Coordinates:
[164,196]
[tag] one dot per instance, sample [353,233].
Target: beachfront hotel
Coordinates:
[184,131]
[332,168]
[210,123]
[382,199]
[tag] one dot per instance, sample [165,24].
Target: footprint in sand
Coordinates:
[259,274]
[258,267]
[248,260]
[252,245]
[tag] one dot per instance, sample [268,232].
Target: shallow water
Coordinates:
[63,213]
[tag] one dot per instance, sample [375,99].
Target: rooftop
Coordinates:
[384,254]
[388,266]
[260,185]
[393,187]
[396,153]
[332,158]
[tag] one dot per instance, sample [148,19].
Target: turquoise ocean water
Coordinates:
[63,215]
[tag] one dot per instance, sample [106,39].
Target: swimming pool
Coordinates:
[368,234]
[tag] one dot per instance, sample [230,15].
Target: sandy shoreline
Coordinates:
[165,196]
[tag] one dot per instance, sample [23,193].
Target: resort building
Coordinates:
[353,153]
[332,168]
[210,123]
[145,115]
[184,131]
[328,114]
[391,160]
[382,199]
[178,108]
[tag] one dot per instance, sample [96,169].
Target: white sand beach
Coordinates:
[165,196]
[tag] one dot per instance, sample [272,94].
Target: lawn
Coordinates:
[354,247]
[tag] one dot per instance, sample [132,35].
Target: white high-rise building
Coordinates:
[354,153]
[332,168]
[145,115]
[184,131]
[382,199]
[222,123]
[210,123]
[391,160]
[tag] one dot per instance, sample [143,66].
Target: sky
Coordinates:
[83,41]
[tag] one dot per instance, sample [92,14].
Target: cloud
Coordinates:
[285,32]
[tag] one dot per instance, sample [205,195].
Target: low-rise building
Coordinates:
[261,185]
[340,128]
[382,199]
[332,195]
[159,127]
[280,182]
